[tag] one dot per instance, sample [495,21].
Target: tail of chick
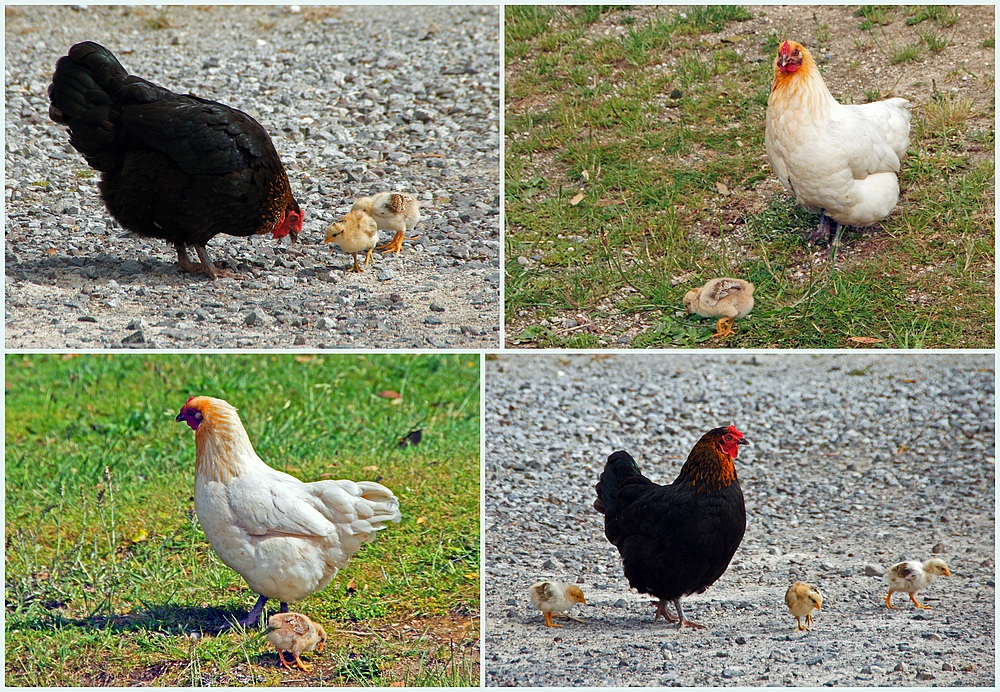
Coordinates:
[83,97]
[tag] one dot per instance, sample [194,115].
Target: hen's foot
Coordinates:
[205,267]
[394,245]
[824,231]
[661,612]
[688,623]
[253,617]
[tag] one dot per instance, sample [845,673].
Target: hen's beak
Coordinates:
[743,441]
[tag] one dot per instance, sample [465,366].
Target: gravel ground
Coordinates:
[857,461]
[357,100]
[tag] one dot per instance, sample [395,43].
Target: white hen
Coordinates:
[286,538]
[839,161]
[392,211]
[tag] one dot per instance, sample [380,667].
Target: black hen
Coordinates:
[175,167]
[677,539]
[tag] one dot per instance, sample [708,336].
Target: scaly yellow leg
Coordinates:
[281,655]
[368,256]
[724,328]
[304,666]
[887,603]
[394,245]
[357,267]
[548,621]
[913,597]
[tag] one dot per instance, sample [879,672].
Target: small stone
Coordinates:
[873,570]
[299,340]
[620,603]
[733,672]
[815,660]
[549,564]
[741,640]
[255,318]
[326,323]
[947,666]
[135,338]
[286,283]
[431,319]
[933,636]
[436,308]
[901,667]
[86,318]
[386,275]
[925,675]
[939,548]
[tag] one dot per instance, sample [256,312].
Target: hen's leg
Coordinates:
[548,620]
[661,611]
[824,231]
[887,603]
[357,267]
[394,245]
[913,597]
[304,666]
[680,616]
[253,617]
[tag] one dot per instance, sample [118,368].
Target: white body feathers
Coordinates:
[286,538]
[840,160]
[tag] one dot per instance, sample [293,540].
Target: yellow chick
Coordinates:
[911,577]
[555,597]
[357,233]
[392,211]
[295,633]
[801,599]
[727,299]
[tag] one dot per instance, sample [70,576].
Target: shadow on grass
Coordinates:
[166,619]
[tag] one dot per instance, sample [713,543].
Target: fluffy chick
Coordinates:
[912,576]
[295,633]
[555,597]
[392,211]
[725,298]
[801,599]
[357,233]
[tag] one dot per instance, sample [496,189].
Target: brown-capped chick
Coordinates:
[911,577]
[555,597]
[725,298]
[392,211]
[297,634]
[357,233]
[801,599]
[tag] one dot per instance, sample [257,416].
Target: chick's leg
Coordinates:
[887,599]
[809,622]
[798,623]
[724,328]
[913,597]
[304,666]
[548,620]
[281,656]
[357,267]
[394,245]
[368,256]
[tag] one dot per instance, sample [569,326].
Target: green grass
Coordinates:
[660,126]
[108,571]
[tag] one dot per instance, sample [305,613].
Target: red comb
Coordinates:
[732,428]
